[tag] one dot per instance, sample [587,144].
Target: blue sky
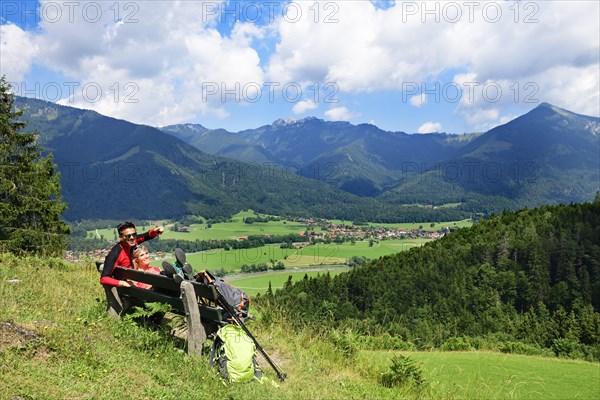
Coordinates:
[407,66]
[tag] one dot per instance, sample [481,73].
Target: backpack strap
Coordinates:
[213,350]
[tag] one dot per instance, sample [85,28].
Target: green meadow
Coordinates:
[490,375]
[314,255]
[323,256]
[238,228]
[223,230]
[259,282]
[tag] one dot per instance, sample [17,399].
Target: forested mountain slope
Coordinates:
[531,275]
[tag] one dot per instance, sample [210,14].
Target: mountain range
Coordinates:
[114,169]
[548,155]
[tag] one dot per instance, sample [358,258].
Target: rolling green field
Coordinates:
[253,284]
[223,230]
[319,254]
[487,375]
[238,228]
[426,226]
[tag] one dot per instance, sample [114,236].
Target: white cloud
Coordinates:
[430,127]
[169,56]
[370,49]
[506,119]
[17,51]
[573,88]
[303,106]
[418,100]
[480,118]
[162,65]
[339,114]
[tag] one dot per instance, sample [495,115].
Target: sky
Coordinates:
[410,66]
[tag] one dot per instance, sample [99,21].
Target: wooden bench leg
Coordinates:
[114,305]
[196,332]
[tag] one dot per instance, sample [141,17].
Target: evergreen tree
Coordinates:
[30,201]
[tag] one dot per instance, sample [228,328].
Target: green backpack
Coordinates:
[234,354]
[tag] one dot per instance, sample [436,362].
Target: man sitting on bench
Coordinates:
[122,253]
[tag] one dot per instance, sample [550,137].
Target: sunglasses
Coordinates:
[130,235]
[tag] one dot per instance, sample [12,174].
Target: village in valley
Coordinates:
[337,232]
[316,230]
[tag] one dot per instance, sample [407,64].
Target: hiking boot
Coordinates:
[173,272]
[180,256]
[169,269]
[186,268]
[188,271]
[181,264]
[178,279]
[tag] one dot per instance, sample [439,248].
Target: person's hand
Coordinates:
[124,284]
[159,230]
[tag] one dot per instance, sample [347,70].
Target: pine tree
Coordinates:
[30,200]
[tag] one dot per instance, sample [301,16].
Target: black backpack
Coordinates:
[237,298]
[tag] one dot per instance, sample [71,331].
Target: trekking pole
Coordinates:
[229,308]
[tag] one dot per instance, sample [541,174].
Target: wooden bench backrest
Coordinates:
[166,290]
[207,292]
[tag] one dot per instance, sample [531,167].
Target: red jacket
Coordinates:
[121,256]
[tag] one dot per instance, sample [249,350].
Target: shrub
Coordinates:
[523,348]
[403,372]
[567,348]
[592,352]
[457,344]
[345,341]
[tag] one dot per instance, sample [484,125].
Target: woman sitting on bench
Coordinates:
[141,261]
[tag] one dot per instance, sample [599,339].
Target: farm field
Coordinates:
[426,226]
[256,283]
[238,228]
[319,254]
[224,230]
[488,375]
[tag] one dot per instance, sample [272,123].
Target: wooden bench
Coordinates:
[195,301]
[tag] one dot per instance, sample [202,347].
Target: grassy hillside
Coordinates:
[58,343]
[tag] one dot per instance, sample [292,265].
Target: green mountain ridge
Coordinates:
[549,155]
[114,169]
[317,149]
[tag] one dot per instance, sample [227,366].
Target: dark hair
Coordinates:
[125,225]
